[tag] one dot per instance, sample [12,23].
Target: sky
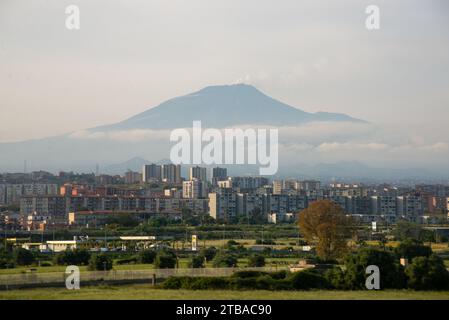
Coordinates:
[131,55]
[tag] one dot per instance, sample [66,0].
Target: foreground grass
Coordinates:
[139,292]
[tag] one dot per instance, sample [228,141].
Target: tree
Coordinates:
[209,253]
[100,262]
[411,248]
[256,260]
[196,262]
[147,256]
[23,257]
[354,275]
[224,260]
[427,273]
[308,279]
[73,257]
[325,224]
[165,260]
[407,230]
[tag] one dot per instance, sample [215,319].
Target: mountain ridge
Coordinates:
[222,106]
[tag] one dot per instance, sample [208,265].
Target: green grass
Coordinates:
[139,292]
[183,263]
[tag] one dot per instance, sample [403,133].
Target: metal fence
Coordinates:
[129,276]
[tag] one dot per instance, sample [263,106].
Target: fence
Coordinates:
[56,279]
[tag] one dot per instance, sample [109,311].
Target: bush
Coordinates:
[308,279]
[75,257]
[256,260]
[224,260]
[147,256]
[100,262]
[23,257]
[165,260]
[354,277]
[196,262]
[209,253]
[427,273]
[6,263]
[46,264]
[196,283]
[131,260]
[412,248]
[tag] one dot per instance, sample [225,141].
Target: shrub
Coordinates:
[23,257]
[248,274]
[256,260]
[165,260]
[209,253]
[130,260]
[6,263]
[412,248]
[100,262]
[147,256]
[196,262]
[354,277]
[224,260]
[308,279]
[73,257]
[196,283]
[427,273]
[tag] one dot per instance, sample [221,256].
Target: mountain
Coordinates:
[216,106]
[223,106]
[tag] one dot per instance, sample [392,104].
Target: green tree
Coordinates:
[101,262]
[407,230]
[224,260]
[411,248]
[209,253]
[197,262]
[147,256]
[353,277]
[165,260]
[73,257]
[256,260]
[23,257]
[427,273]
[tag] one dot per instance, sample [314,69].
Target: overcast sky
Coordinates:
[130,55]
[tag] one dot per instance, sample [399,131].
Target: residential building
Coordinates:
[199,173]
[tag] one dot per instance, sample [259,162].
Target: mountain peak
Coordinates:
[221,106]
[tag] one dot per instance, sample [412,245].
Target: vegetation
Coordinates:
[411,248]
[224,260]
[165,260]
[256,260]
[427,273]
[147,256]
[354,274]
[325,224]
[101,262]
[78,257]
[23,257]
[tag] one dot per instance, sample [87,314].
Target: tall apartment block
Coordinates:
[151,172]
[171,173]
[219,174]
[198,173]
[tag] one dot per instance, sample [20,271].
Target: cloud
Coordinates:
[122,135]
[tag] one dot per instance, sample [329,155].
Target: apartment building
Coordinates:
[198,173]
[194,189]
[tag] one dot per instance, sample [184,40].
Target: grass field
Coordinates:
[138,292]
[183,263]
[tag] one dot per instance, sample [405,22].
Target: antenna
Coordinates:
[97,169]
[24,166]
